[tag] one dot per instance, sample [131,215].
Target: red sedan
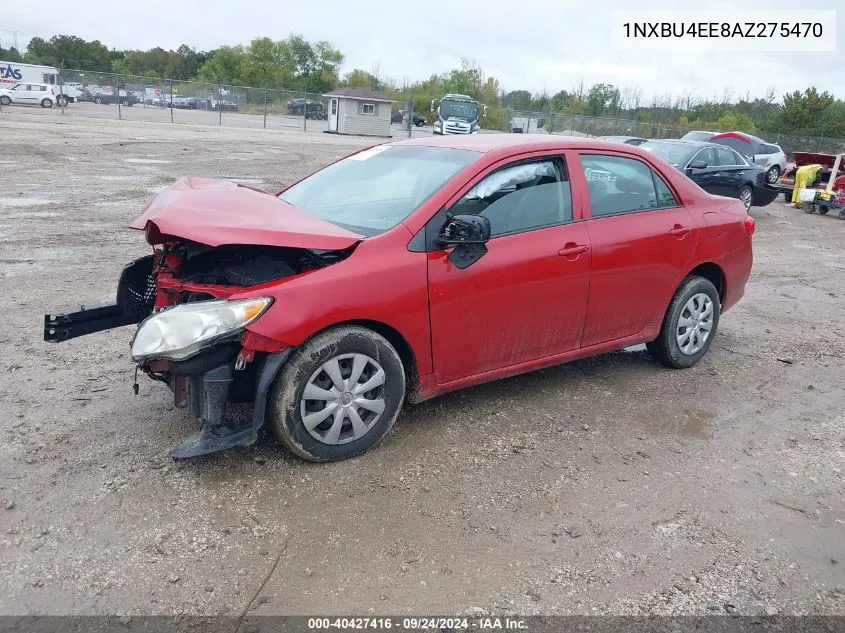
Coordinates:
[414,268]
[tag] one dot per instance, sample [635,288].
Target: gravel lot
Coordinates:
[607,486]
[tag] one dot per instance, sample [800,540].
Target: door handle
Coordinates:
[680,231]
[571,249]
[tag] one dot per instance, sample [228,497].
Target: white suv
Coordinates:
[45,95]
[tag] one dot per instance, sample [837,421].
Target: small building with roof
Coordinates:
[359,111]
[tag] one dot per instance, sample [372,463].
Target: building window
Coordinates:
[368,108]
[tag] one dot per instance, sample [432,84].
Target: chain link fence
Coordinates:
[581,125]
[136,98]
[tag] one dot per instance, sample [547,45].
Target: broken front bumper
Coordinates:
[237,369]
[205,385]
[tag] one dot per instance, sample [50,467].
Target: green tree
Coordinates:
[70,51]
[10,54]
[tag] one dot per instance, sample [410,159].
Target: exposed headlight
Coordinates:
[181,332]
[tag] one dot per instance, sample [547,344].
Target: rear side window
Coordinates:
[623,185]
[727,157]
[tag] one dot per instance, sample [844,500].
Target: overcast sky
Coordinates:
[536,45]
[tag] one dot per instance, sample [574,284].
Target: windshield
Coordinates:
[672,153]
[374,190]
[459,109]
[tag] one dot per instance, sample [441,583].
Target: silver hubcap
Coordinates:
[772,175]
[343,399]
[745,196]
[695,324]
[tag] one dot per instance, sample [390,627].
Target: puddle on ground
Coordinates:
[691,422]
[20,201]
[146,161]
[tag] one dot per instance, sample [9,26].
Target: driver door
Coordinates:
[526,297]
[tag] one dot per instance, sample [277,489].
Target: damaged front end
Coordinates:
[192,326]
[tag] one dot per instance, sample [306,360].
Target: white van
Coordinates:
[32,94]
[12,73]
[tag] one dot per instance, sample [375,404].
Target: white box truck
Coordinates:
[18,73]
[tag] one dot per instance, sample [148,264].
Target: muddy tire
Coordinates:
[338,395]
[689,325]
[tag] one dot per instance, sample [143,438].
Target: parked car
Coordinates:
[108,96]
[716,168]
[401,116]
[311,109]
[698,135]
[522,250]
[630,140]
[223,104]
[45,95]
[770,156]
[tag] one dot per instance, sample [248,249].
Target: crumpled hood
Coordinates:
[216,212]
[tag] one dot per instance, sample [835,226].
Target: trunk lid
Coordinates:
[217,212]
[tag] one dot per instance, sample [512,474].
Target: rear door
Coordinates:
[732,172]
[642,240]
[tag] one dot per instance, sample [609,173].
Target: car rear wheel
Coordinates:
[62,102]
[4,100]
[773,174]
[689,325]
[338,395]
[97,100]
[746,195]
[46,103]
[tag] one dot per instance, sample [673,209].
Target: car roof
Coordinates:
[515,143]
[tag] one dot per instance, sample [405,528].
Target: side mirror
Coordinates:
[468,234]
[698,164]
[465,229]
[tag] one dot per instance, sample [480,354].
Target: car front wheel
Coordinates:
[338,395]
[4,100]
[689,325]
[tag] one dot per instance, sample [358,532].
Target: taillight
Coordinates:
[750,225]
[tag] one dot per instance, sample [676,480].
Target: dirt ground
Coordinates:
[606,486]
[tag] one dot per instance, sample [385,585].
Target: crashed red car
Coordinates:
[411,269]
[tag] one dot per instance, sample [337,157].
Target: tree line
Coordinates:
[297,64]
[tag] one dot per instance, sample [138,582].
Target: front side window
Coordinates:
[708,155]
[368,108]
[623,185]
[520,198]
[376,189]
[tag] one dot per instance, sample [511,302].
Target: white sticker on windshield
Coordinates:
[369,153]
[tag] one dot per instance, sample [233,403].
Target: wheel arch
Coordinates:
[396,339]
[714,274]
